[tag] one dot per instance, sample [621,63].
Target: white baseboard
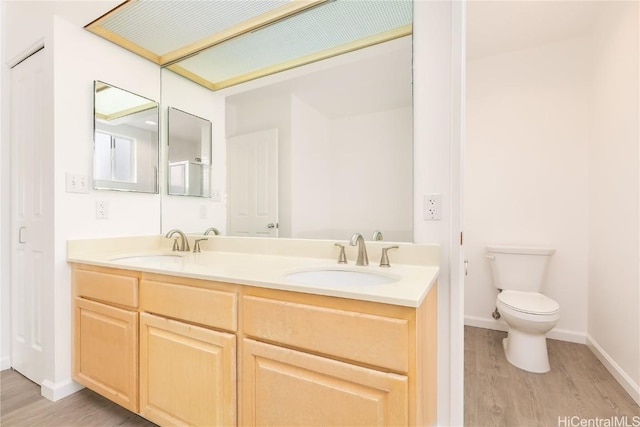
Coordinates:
[56,391]
[486,323]
[5,363]
[618,373]
[500,325]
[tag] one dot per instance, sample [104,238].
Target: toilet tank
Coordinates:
[518,268]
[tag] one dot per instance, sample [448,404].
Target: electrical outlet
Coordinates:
[102,209]
[203,212]
[432,207]
[215,195]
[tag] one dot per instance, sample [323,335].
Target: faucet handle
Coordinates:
[384,259]
[175,247]
[377,235]
[342,258]
[196,245]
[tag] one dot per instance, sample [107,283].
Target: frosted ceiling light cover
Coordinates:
[163,26]
[323,27]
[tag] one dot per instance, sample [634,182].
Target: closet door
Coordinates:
[31,214]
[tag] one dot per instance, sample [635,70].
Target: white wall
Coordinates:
[310,170]
[614,241]
[438,64]
[332,169]
[347,166]
[372,154]
[526,173]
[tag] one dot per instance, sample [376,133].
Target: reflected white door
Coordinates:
[30,215]
[252,187]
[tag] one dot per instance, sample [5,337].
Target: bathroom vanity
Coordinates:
[224,337]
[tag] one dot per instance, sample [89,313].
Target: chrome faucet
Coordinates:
[184,242]
[211,230]
[377,235]
[357,239]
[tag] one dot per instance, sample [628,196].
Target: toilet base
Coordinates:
[527,351]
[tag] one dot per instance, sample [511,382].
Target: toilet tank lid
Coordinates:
[528,250]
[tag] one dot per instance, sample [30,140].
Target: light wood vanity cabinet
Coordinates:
[187,369]
[106,334]
[334,361]
[220,354]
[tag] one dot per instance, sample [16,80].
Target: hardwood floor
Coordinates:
[21,405]
[497,393]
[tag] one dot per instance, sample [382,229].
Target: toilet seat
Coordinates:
[533,303]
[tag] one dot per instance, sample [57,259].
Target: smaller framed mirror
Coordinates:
[189,155]
[125,140]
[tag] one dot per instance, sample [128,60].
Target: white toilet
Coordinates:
[519,272]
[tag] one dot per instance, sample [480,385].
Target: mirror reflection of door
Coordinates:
[252,196]
[189,157]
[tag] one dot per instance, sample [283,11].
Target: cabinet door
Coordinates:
[187,373]
[287,387]
[106,351]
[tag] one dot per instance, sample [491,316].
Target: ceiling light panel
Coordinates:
[162,27]
[324,27]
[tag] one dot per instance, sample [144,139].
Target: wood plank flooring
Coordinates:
[21,405]
[497,393]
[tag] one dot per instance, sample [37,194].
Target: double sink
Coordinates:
[325,276]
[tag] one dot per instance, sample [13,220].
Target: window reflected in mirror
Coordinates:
[189,155]
[125,140]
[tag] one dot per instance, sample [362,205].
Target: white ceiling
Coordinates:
[502,26]
[82,12]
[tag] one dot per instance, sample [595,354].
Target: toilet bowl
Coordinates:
[518,273]
[529,315]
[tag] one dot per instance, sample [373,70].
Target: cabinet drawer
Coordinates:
[366,338]
[106,287]
[287,387]
[208,307]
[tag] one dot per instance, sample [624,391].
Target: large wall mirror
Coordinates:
[125,140]
[310,143]
[343,158]
[189,154]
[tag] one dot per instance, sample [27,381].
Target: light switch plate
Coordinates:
[76,183]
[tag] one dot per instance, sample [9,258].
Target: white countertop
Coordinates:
[266,262]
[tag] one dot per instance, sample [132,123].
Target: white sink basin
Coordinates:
[337,277]
[150,259]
